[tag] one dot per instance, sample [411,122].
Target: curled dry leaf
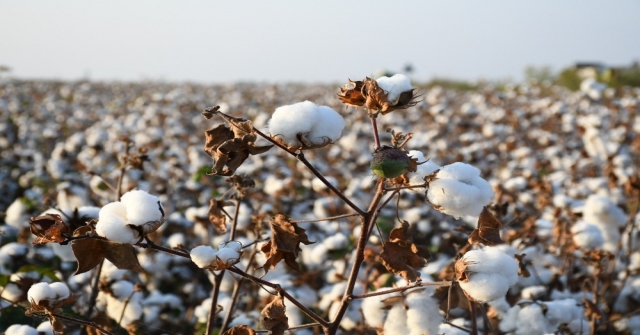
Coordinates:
[284,243]
[351,94]
[48,228]
[231,146]
[367,93]
[401,256]
[274,318]
[91,251]
[522,265]
[488,231]
[240,330]
[216,215]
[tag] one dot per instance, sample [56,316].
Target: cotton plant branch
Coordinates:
[327,218]
[402,289]
[83,322]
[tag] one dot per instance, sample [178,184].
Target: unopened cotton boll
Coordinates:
[458,190]
[142,207]
[203,256]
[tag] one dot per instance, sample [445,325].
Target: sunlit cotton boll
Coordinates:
[203,256]
[587,236]
[490,273]
[142,207]
[394,86]
[40,291]
[320,125]
[21,330]
[459,190]
[112,224]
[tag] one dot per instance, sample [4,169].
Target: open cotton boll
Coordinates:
[459,190]
[374,310]
[336,241]
[115,229]
[489,273]
[328,127]
[203,256]
[235,245]
[40,291]
[44,328]
[587,236]
[423,170]
[290,120]
[142,207]
[21,330]
[607,216]
[423,313]
[319,186]
[228,255]
[396,322]
[113,209]
[394,86]
[61,290]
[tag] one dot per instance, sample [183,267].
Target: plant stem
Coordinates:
[236,291]
[408,187]
[94,290]
[368,221]
[315,317]
[374,126]
[82,322]
[327,219]
[400,289]
[211,323]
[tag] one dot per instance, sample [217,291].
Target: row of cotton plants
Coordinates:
[376,207]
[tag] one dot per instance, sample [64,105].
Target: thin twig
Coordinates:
[407,187]
[308,325]
[82,322]
[211,322]
[327,218]
[94,290]
[236,291]
[374,126]
[401,289]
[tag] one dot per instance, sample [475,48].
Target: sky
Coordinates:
[309,41]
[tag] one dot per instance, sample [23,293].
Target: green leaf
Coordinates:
[47,272]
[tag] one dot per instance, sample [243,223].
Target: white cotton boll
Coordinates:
[394,86]
[447,329]
[459,191]
[315,255]
[17,215]
[228,255]
[526,320]
[113,209]
[115,229]
[142,207]
[21,330]
[374,310]
[490,271]
[14,249]
[336,241]
[485,287]
[202,311]
[176,240]
[203,256]
[40,291]
[328,126]
[396,322]
[600,210]
[533,292]
[290,120]
[235,245]
[587,236]
[61,290]
[132,310]
[43,329]
[274,185]
[319,186]
[11,292]
[122,289]
[423,170]
[423,315]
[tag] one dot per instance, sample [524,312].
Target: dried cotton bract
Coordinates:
[383,95]
[305,125]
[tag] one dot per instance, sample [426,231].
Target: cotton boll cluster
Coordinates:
[21,330]
[306,125]
[122,303]
[486,274]
[228,253]
[137,208]
[414,312]
[458,190]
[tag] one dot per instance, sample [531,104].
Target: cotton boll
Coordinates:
[235,245]
[43,329]
[447,329]
[374,310]
[328,126]
[394,86]
[115,229]
[423,170]
[17,214]
[289,121]
[142,207]
[336,241]
[61,290]
[122,289]
[607,216]
[21,330]
[319,186]
[176,240]
[14,249]
[587,236]
[526,320]
[490,273]
[203,256]
[228,255]
[396,322]
[113,209]
[130,311]
[423,314]
[40,291]
[459,191]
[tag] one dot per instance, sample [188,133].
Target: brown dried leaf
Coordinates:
[56,325]
[91,251]
[488,231]
[451,297]
[231,146]
[240,330]
[216,216]
[591,310]
[284,243]
[48,228]
[274,318]
[376,99]
[401,256]
[351,94]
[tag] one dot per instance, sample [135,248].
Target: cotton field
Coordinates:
[124,207]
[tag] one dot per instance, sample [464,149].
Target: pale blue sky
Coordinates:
[319,41]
